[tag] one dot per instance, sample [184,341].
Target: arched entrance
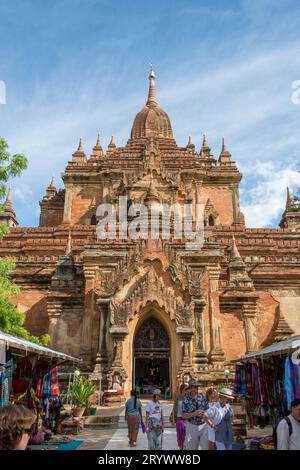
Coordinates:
[151,357]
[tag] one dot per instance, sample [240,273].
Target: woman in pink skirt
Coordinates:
[176,415]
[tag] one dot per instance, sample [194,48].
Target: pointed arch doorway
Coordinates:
[151,357]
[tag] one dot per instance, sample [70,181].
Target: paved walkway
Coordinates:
[119,440]
[116,439]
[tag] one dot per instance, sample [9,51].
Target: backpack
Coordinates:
[288,421]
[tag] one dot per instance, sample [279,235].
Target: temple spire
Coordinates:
[98,143]
[190,146]
[225,155]
[112,144]
[52,185]
[97,149]
[152,194]
[290,203]
[224,148]
[151,94]
[204,142]
[8,204]
[69,245]
[234,251]
[205,150]
[79,155]
[80,146]
[8,216]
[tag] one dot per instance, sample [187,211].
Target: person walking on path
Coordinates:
[133,416]
[221,417]
[212,400]
[154,422]
[288,429]
[194,406]
[176,415]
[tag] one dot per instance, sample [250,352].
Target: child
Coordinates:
[222,420]
[16,426]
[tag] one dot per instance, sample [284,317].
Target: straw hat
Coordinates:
[226,392]
[194,383]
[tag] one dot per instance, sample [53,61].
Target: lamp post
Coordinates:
[227,372]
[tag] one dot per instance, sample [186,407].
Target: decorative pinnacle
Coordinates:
[69,245]
[151,94]
[52,185]
[8,203]
[289,199]
[112,141]
[223,144]
[80,146]
[98,143]
[234,251]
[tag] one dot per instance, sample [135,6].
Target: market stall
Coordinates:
[29,375]
[269,380]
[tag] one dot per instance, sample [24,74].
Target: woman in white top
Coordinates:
[212,400]
[221,417]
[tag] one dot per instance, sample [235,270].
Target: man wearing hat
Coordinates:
[154,422]
[223,420]
[193,409]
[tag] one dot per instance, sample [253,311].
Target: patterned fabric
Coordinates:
[243,381]
[237,380]
[54,382]
[190,405]
[295,369]
[46,391]
[133,423]
[249,381]
[288,383]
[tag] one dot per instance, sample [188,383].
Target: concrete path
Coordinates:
[119,440]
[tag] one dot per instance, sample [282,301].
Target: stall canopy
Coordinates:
[29,347]
[288,345]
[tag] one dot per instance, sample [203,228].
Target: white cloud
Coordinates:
[265,199]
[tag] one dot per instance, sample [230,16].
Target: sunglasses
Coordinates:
[29,430]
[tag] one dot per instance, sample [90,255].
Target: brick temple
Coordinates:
[152,312]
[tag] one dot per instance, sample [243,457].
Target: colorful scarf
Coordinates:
[46,391]
[54,381]
[288,383]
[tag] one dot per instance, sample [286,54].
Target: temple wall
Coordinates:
[65,333]
[289,300]
[232,326]
[34,304]
[52,217]
[82,197]
[222,200]
[233,335]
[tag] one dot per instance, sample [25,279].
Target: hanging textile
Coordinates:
[54,381]
[295,371]
[288,383]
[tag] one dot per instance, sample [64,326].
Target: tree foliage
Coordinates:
[11,320]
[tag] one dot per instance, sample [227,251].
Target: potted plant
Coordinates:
[81,391]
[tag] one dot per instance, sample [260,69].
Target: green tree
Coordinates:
[11,320]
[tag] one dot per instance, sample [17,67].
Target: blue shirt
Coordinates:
[190,405]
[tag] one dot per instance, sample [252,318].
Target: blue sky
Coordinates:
[73,68]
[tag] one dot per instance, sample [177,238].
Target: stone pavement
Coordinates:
[116,439]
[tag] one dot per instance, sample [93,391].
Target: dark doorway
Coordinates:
[151,367]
